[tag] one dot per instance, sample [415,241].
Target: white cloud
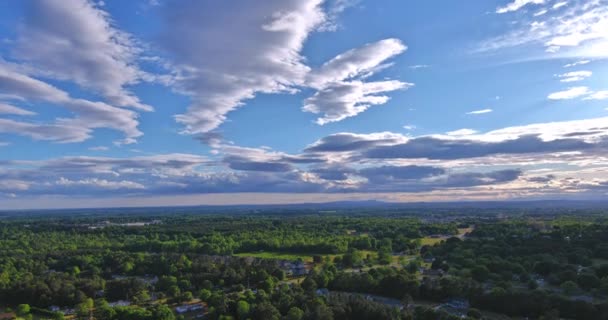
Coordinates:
[10,185]
[336,7]
[89,114]
[99,183]
[60,132]
[482,111]
[9,109]
[74,40]
[461,132]
[221,65]
[577,63]
[559,5]
[342,91]
[571,93]
[347,99]
[356,63]
[409,127]
[541,12]
[579,30]
[598,95]
[517,4]
[99,148]
[575,76]
[588,129]
[419,66]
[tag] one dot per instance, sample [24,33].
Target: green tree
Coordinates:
[295,313]
[23,309]
[569,287]
[266,311]
[162,312]
[243,309]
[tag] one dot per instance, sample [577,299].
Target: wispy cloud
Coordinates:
[517,4]
[577,63]
[598,95]
[99,148]
[419,66]
[571,93]
[576,30]
[575,76]
[482,111]
[10,109]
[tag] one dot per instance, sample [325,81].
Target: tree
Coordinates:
[174,291]
[84,309]
[569,287]
[162,312]
[266,311]
[385,257]
[23,309]
[243,309]
[186,296]
[309,284]
[480,273]
[204,294]
[295,313]
[103,310]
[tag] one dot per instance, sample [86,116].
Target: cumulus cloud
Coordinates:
[543,138]
[571,93]
[461,132]
[99,183]
[220,66]
[342,91]
[74,40]
[346,141]
[437,148]
[342,100]
[460,161]
[517,4]
[385,174]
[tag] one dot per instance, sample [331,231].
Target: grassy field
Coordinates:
[276,255]
[295,256]
[428,241]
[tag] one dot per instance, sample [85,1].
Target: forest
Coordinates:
[305,264]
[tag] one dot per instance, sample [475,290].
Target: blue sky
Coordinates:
[152,102]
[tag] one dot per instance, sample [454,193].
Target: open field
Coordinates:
[276,255]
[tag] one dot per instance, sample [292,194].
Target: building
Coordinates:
[189,308]
[7,316]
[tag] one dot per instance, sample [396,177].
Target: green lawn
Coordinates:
[428,241]
[276,255]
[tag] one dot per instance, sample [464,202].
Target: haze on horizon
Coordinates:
[155,102]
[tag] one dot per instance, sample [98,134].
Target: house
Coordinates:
[119,303]
[432,272]
[189,307]
[455,307]
[322,292]
[8,315]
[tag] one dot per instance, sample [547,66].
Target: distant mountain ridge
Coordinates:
[338,205]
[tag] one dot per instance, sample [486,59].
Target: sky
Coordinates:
[188,102]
